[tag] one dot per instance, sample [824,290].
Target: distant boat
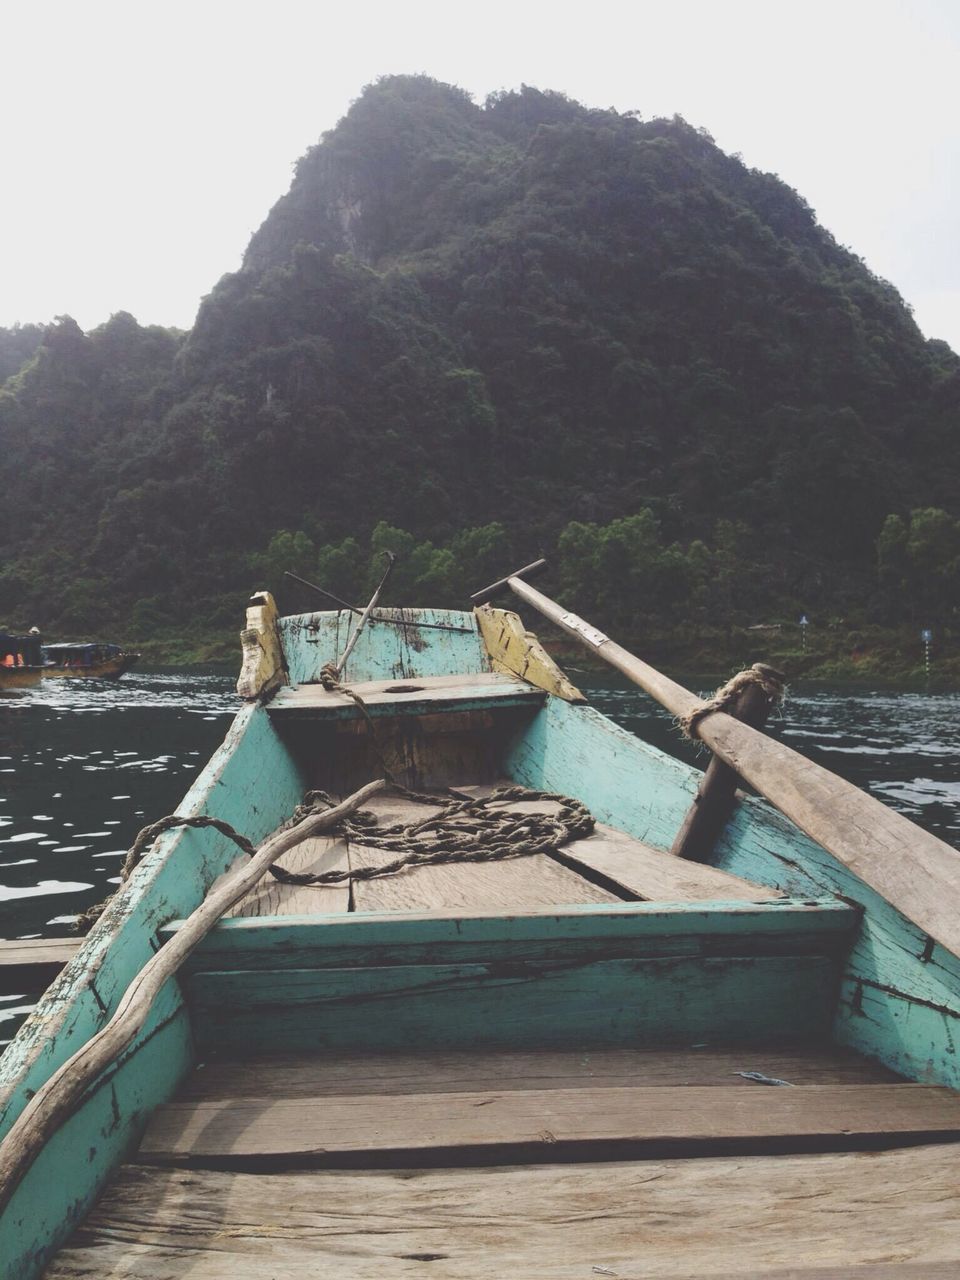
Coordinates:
[87,660]
[20,661]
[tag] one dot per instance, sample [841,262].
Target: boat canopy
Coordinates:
[19,651]
[79,654]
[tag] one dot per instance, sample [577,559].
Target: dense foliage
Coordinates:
[479,332]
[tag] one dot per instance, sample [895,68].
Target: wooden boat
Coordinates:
[20,661]
[86,661]
[557,1065]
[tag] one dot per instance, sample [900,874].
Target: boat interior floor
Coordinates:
[610,1089]
[607,866]
[574,1163]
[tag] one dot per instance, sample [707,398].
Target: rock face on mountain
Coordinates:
[528,315]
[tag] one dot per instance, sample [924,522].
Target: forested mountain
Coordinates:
[474,333]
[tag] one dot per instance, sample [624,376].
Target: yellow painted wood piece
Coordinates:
[263,667]
[515,650]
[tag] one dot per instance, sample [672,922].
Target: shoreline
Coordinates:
[858,657]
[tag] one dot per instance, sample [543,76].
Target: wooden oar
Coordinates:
[917,873]
[341,664]
[374,617]
[55,1101]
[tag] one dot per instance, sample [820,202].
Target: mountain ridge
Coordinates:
[528,315]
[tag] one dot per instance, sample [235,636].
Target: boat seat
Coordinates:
[877,1215]
[457,1108]
[423,695]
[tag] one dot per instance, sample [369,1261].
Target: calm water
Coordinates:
[84,766]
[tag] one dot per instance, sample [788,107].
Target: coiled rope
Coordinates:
[463,831]
[471,830]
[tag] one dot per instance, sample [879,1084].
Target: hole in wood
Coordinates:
[404,688]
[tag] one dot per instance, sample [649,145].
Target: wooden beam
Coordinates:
[34,960]
[574,934]
[423,696]
[654,875]
[340,1074]
[549,1123]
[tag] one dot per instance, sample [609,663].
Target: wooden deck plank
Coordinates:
[651,874]
[668,1220]
[513,885]
[314,1076]
[34,958]
[866,1270]
[558,1119]
[273,898]
[656,876]
[41,951]
[572,934]
[422,696]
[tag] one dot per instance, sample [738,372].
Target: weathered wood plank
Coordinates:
[34,959]
[22,952]
[511,885]
[656,876]
[561,1119]
[323,1075]
[573,934]
[274,898]
[385,650]
[623,781]
[514,884]
[867,1270]
[681,1000]
[665,1219]
[424,696]
[649,873]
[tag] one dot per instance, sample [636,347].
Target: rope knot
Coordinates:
[769,680]
[330,676]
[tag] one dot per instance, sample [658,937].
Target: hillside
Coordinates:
[475,332]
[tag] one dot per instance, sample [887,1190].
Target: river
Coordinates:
[84,766]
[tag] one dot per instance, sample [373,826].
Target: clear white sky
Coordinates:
[143,142]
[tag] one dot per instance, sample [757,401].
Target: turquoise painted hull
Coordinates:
[850,966]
